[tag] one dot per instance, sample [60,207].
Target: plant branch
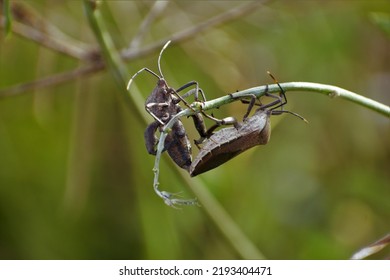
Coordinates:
[105,42]
[191,32]
[27,23]
[51,80]
[333,91]
[329,90]
[112,58]
[6,22]
[223,220]
[64,46]
[156,10]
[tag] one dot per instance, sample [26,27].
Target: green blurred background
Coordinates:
[75,177]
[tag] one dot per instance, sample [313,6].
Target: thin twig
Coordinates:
[6,21]
[190,33]
[29,24]
[156,10]
[329,90]
[112,58]
[52,80]
[333,91]
[107,47]
[60,45]
[221,218]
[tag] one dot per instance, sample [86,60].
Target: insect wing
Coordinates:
[228,143]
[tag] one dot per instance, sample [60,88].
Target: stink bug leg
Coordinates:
[280,102]
[197,118]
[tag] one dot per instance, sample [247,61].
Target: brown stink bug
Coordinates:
[162,104]
[227,143]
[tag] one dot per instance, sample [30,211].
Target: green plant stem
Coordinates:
[7,17]
[328,90]
[112,58]
[334,91]
[228,227]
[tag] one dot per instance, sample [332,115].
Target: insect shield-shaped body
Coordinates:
[228,143]
[162,105]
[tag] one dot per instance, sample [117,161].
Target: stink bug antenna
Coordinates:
[148,70]
[159,58]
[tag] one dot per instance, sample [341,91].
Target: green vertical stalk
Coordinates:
[7,17]
[112,58]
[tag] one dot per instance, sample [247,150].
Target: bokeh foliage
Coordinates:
[76,180]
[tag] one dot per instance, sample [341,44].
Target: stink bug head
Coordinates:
[160,95]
